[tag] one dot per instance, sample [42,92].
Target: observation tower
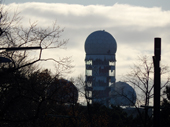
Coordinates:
[100,60]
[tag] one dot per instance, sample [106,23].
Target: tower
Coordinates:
[100,60]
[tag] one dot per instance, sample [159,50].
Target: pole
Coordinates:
[156,60]
[20,48]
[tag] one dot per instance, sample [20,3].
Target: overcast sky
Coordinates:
[134,25]
[145,3]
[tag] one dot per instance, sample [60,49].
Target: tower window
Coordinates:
[89,72]
[111,72]
[89,84]
[89,62]
[111,63]
[89,94]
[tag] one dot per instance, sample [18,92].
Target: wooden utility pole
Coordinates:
[157,80]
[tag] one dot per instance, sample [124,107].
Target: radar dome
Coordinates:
[122,94]
[63,91]
[100,43]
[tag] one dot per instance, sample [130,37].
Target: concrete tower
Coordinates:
[100,48]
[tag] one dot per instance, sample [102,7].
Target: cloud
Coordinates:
[107,16]
[133,27]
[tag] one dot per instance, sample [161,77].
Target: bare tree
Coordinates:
[18,87]
[141,78]
[15,35]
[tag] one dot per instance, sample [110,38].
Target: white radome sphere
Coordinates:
[100,43]
[122,94]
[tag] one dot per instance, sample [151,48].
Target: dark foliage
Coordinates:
[24,99]
[165,111]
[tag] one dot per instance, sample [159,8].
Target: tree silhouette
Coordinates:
[23,85]
[141,78]
[165,110]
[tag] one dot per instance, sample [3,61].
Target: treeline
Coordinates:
[39,98]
